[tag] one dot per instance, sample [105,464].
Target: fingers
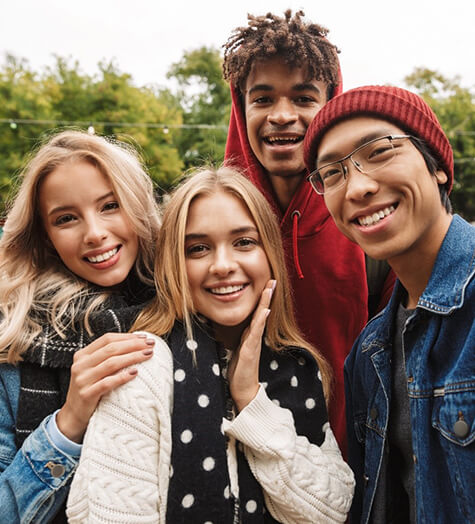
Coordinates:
[244,380]
[258,322]
[97,369]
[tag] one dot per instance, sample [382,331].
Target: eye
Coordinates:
[246,243]
[330,172]
[305,99]
[196,250]
[64,219]
[110,206]
[260,100]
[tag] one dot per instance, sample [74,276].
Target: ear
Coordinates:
[441,177]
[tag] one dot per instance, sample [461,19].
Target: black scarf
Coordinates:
[199,488]
[45,369]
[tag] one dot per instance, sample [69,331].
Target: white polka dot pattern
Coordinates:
[251,506]
[186,436]
[274,365]
[188,501]
[203,401]
[208,464]
[310,403]
[215,369]
[294,381]
[180,375]
[227,492]
[191,344]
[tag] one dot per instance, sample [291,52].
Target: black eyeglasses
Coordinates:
[367,159]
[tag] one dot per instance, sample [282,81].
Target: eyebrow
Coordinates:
[335,156]
[60,209]
[297,87]
[236,231]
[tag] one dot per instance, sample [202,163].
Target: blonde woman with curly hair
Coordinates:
[76,260]
[227,422]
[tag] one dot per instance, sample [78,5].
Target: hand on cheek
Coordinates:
[244,368]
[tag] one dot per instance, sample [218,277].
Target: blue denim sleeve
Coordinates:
[34,481]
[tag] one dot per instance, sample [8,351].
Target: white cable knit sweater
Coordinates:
[124,469]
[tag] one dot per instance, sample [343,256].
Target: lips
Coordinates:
[374,218]
[226,290]
[103,256]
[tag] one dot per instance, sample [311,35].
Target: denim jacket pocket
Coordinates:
[454,417]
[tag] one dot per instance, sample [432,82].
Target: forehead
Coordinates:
[274,72]
[217,210]
[351,133]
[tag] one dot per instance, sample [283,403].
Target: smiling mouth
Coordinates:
[103,256]
[374,218]
[226,290]
[282,140]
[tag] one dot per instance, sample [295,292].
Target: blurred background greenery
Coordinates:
[177,128]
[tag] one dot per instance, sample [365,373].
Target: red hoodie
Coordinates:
[326,270]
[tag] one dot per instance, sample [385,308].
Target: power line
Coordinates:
[28,121]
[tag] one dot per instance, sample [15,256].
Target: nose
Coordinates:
[94,230]
[283,112]
[223,262]
[358,184]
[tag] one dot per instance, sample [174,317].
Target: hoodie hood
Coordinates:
[326,271]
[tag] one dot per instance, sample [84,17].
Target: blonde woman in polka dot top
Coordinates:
[227,422]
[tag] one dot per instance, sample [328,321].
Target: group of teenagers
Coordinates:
[229,358]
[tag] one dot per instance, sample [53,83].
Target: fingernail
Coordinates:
[274,283]
[141,335]
[133,371]
[147,352]
[267,312]
[150,342]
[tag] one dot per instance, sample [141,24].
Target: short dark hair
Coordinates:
[433,166]
[298,43]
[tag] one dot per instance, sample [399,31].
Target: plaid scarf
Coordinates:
[45,369]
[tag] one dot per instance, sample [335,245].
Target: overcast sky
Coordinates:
[380,41]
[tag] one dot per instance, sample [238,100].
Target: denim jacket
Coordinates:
[34,481]
[439,344]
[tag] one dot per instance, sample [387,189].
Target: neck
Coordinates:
[414,267]
[285,188]
[230,336]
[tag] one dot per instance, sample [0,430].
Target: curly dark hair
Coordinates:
[297,42]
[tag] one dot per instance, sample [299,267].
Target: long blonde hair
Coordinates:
[35,286]
[173,299]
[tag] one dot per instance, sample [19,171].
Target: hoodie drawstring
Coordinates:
[295,227]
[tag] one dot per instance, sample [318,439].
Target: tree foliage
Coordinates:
[63,94]
[455,109]
[205,100]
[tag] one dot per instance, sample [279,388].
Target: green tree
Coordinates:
[455,108]
[205,100]
[34,105]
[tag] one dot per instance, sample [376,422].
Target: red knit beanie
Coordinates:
[403,108]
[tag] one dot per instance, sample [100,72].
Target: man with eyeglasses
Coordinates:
[282,71]
[385,169]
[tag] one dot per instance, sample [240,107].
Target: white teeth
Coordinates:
[103,256]
[370,220]
[225,290]
[282,139]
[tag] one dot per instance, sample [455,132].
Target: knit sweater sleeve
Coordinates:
[302,482]
[123,472]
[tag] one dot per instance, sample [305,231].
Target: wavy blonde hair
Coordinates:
[35,286]
[173,298]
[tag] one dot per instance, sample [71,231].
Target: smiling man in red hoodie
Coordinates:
[282,70]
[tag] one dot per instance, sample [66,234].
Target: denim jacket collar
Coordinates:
[453,269]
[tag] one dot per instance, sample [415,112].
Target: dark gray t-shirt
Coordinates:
[395,494]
